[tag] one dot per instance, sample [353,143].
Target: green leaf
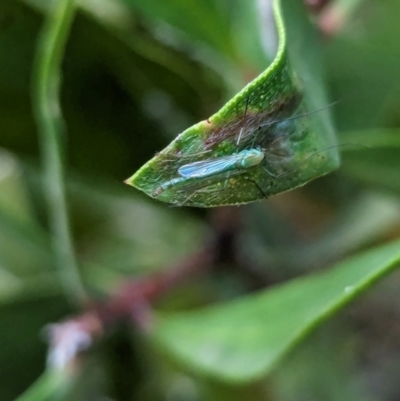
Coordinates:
[198,20]
[381,138]
[49,387]
[243,340]
[296,150]
[18,227]
[24,351]
[376,162]
[367,83]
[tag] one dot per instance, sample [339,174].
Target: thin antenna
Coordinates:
[320,151]
[298,115]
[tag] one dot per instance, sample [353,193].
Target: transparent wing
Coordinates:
[206,168]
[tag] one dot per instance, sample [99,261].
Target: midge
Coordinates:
[232,165]
[237,163]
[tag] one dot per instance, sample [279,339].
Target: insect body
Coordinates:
[206,168]
[197,171]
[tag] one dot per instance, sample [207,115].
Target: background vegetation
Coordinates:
[136,73]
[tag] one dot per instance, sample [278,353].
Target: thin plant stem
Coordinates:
[47,109]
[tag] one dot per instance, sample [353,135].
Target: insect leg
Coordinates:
[243,118]
[270,173]
[239,137]
[211,188]
[167,185]
[258,187]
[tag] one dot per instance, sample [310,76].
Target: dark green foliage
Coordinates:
[135,74]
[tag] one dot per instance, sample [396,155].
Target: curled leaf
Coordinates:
[274,115]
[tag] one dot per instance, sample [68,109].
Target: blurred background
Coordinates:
[136,73]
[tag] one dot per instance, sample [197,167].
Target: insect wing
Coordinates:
[206,168]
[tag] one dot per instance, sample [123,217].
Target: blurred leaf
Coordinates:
[128,234]
[378,166]
[243,340]
[13,197]
[323,367]
[24,246]
[374,168]
[49,387]
[18,27]
[119,233]
[113,71]
[362,222]
[364,219]
[23,353]
[362,63]
[83,381]
[199,20]
[378,138]
[246,32]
